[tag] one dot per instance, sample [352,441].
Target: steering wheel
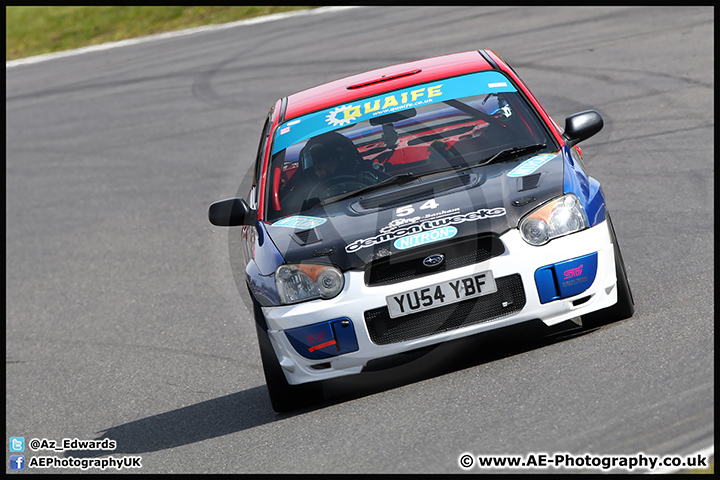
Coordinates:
[335,186]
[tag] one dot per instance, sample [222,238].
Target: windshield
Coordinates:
[452,123]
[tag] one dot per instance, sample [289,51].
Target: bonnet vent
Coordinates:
[529,182]
[306,237]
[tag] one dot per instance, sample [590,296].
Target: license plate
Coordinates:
[439,294]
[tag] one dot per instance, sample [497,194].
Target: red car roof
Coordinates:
[383,79]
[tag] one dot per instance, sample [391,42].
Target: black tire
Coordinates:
[625,306]
[283,396]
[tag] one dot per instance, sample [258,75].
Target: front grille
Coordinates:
[400,267]
[509,298]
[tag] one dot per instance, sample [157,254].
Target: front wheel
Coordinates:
[625,306]
[283,396]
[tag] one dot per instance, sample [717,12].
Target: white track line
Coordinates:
[178,33]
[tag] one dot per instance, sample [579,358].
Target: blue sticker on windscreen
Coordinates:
[316,123]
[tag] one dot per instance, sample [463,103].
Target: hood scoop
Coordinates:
[418,191]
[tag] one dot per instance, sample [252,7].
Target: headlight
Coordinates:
[559,217]
[297,283]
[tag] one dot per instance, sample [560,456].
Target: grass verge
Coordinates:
[34,30]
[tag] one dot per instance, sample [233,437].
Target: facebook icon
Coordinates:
[17,462]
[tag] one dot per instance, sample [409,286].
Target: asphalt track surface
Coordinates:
[124,320]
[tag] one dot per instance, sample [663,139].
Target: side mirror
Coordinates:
[581,126]
[231,212]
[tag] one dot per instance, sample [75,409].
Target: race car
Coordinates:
[413,205]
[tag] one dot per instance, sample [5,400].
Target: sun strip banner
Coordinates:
[312,124]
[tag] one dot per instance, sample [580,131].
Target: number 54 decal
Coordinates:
[409,210]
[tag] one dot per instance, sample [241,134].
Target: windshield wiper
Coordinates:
[404,178]
[401,179]
[506,154]
[512,152]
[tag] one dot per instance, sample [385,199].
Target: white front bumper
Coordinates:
[519,258]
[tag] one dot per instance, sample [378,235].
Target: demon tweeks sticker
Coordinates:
[425,226]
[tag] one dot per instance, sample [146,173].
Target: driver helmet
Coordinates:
[331,150]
